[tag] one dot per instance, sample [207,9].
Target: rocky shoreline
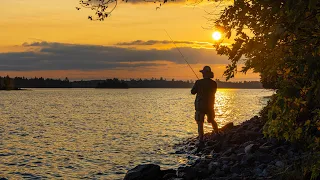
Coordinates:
[239,152]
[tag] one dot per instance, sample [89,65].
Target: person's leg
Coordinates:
[200,130]
[211,117]
[200,120]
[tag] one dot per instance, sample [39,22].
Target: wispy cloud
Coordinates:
[157,42]
[61,56]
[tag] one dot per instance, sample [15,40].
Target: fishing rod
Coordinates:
[181,53]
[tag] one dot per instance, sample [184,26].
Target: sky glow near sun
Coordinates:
[131,26]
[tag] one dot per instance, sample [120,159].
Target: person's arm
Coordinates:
[215,87]
[194,88]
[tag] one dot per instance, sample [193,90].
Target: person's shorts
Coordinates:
[199,116]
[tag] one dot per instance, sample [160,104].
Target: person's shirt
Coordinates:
[205,90]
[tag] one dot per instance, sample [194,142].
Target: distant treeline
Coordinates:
[22,82]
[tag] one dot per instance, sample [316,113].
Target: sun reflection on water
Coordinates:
[100,134]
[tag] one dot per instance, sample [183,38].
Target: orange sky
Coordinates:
[27,21]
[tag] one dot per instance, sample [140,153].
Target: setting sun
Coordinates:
[216,35]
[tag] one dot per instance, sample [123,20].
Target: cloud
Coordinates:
[62,56]
[156,42]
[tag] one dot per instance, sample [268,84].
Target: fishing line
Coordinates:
[181,53]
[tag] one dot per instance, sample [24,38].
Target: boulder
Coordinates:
[235,168]
[169,176]
[212,166]
[279,164]
[251,148]
[227,127]
[264,158]
[248,159]
[144,172]
[187,173]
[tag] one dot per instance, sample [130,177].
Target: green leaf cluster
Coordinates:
[280,40]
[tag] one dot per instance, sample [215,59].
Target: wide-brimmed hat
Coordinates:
[206,69]
[207,73]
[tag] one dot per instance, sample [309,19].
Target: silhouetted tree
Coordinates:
[280,40]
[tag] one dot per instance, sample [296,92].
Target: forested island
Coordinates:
[7,83]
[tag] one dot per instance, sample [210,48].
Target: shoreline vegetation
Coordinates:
[240,152]
[7,83]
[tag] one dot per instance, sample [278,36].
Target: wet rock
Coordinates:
[250,148]
[279,164]
[144,172]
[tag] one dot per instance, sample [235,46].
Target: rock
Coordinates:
[219,172]
[234,176]
[180,152]
[203,163]
[279,164]
[212,166]
[169,176]
[144,172]
[257,172]
[248,159]
[247,143]
[214,154]
[226,168]
[228,152]
[265,149]
[217,147]
[280,150]
[235,168]
[253,134]
[265,172]
[187,173]
[227,127]
[250,148]
[262,166]
[264,158]
[208,156]
[234,157]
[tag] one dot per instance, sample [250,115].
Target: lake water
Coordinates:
[101,133]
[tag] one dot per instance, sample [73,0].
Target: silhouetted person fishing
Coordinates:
[204,104]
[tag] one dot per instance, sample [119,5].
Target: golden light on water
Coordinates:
[216,35]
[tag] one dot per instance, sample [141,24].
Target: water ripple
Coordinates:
[100,134]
